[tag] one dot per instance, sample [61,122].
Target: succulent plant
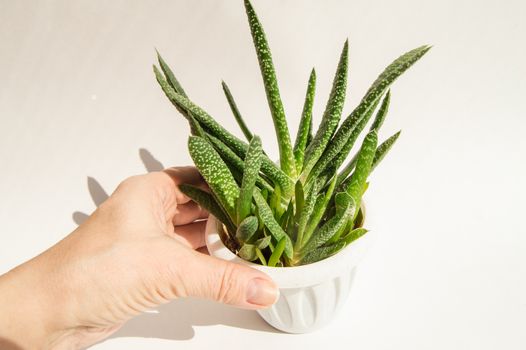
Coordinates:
[302,210]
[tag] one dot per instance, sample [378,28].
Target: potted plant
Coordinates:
[301,220]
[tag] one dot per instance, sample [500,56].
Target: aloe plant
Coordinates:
[305,209]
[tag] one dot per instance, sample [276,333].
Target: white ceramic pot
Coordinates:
[310,295]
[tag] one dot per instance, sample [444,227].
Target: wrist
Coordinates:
[29,305]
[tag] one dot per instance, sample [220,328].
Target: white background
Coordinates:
[78,99]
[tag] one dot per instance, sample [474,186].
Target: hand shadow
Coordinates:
[99,195]
[175,320]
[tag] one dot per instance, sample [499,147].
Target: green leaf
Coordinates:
[248,252]
[346,170]
[323,180]
[382,150]
[287,218]
[304,215]
[215,172]
[262,243]
[271,88]
[239,147]
[382,112]
[195,127]
[264,193]
[299,198]
[277,176]
[310,136]
[250,175]
[261,257]
[322,253]
[345,210]
[275,202]
[320,207]
[332,114]
[354,235]
[365,187]
[270,222]
[208,203]
[234,162]
[247,228]
[395,69]
[169,91]
[336,162]
[377,123]
[278,251]
[170,77]
[360,218]
[380,153]
[283,219]
[378,88]
[233,106]
[341,202]
[204,119]
[363,167]
[305,123]
[291,222]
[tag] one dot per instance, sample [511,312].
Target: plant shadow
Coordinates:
[175,320]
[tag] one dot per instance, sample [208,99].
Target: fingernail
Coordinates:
[262,292]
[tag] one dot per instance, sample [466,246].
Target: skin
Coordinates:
[139,249]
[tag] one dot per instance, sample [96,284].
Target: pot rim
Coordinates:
[294,276]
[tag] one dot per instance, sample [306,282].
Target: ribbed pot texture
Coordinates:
[310,295]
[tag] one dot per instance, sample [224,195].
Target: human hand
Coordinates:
[135,252]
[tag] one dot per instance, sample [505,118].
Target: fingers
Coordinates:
[156,197]
[188,212]
[192,234]
[229,283]
[162,183]
[203,250]
[185,175]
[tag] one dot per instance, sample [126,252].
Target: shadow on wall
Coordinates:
[175,320]
[99,195]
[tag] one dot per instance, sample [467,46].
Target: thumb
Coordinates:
[227,282]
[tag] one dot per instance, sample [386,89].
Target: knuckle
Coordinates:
[167,262]
[227,291]
[131,181]
[169,266]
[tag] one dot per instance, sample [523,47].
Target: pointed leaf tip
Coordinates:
[268,73]
[305,127]
[331,115]
[235,111]
[385,147]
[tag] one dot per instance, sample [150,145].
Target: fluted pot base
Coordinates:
[310,295]
[306,309]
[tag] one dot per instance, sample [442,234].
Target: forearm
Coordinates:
[27,301]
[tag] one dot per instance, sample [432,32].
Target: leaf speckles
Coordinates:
[302,210]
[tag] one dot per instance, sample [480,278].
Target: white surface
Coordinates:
[78,99]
